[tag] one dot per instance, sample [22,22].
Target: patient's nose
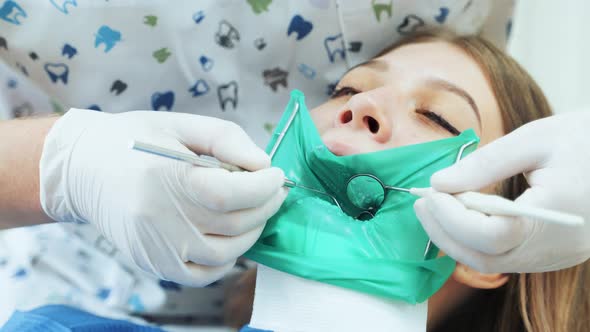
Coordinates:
[361,112]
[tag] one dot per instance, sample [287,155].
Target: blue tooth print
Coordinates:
[11,12]
[3,43]
[335,45]
[61,5]
[3,261]
[206,63]
[135,303]
[410,24]
[107,36]
[33,56]
[57,72]
[442,16]
[300,27]
[165,99]
[380,6]
[199,88]
[508,29]
[103,293]
[94,107]
[20,273]
[69,51]
[198,16]
[170,285]
[228,93]
[11,83]
[306,71]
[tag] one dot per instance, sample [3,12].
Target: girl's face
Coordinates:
[413,94]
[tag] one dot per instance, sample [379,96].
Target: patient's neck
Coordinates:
[284,302]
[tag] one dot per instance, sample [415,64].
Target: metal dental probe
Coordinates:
[210,162]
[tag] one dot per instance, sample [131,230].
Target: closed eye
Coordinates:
[344,91]
[439,120]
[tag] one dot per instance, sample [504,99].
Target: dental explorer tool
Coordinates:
[209,162]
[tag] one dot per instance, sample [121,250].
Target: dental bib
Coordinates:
[314,237]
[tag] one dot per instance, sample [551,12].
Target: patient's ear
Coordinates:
[470,277]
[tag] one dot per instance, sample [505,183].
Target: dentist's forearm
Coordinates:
[21,144]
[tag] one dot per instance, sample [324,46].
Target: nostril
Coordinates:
[346,117]
[372,124]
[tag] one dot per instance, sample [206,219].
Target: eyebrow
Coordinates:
[450,87]
[382,66]
[378,65]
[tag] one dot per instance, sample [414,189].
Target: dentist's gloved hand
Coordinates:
[554,155]
[180,222]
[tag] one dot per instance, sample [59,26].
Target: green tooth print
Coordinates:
[162,55]
[380,6]
[269,127]
[150,20]
[57,107]
[259,6]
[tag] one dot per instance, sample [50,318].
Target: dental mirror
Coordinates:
[367,192]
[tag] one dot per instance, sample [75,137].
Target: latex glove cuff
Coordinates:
[55,159]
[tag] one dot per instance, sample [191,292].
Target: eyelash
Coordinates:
[437,118]
[344,91]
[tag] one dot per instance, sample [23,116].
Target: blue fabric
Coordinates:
[59,318]
[247,328]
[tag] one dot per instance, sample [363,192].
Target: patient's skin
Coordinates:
[385,105]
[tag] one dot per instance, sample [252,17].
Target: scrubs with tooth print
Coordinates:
[235,60]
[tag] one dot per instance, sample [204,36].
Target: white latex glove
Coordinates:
[180,222]
[554,155]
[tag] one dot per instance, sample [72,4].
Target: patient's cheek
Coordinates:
[323,117]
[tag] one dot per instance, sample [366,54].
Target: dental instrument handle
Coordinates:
[496,205]
[290,183]
[183,156]
[192,159]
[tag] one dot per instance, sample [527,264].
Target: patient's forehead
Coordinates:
[413,63]
[420,61]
